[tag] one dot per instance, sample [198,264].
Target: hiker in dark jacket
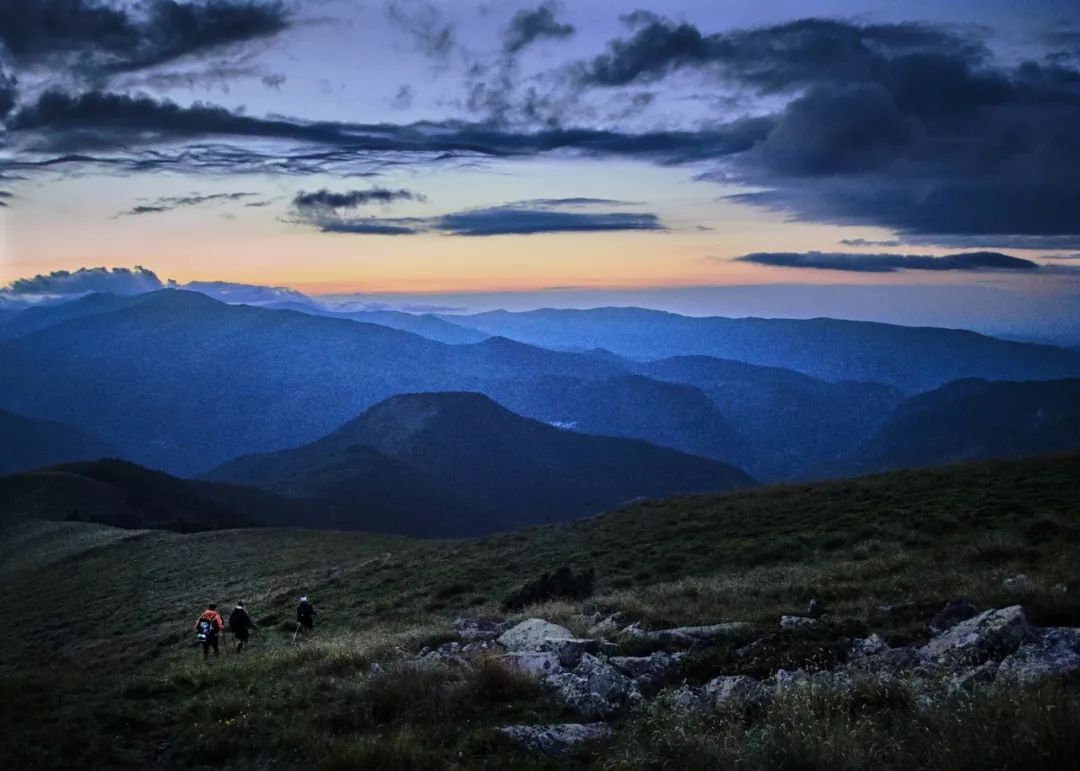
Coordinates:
[305,614]
[241,625]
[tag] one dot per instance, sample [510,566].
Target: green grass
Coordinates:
[103,648]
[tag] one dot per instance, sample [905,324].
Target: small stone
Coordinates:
[815,609]
[375,669]
[557,739]
[1018,584]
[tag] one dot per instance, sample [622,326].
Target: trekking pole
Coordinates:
[296,632]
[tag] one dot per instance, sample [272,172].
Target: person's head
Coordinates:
[212,606]
[240,604]
[304,598]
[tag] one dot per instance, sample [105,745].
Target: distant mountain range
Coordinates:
[28,444]
[974,420]
[452,464]
[113,492]
[178,381]
[912,359]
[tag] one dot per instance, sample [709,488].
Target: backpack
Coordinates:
[206,628]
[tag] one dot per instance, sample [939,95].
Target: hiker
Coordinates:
[209,626]
[241,625]
[305,614]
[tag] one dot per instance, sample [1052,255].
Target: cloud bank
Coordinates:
[890,263]
[62,282]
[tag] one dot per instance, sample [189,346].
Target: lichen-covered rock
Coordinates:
[734,691]
[992,634]
[868,646]
[647,670]
[956,610]
[538,664]
[557,739]
[532,634]
[471,629]
[594,689]
[1053,652]
[790,623]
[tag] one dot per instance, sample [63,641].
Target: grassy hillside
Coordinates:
[105,635]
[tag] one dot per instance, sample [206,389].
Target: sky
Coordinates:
[537,153]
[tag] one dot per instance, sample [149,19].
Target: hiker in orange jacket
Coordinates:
[209,626]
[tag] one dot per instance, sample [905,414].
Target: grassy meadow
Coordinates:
[100,668]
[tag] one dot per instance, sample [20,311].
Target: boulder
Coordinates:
[648,670]
[532,634]
[955,610]
[570,649]
[480,646]
[538,664]
[557,739]
[861,648]
[734,691]
[472,629]
[602,625]
[991,634]
[1051,653]
[790,623]
[594,689]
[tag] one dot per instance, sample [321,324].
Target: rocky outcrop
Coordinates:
[570,649]
[648,670]
[790,623]
[557,739]
[865,647]
[1052,652]
[992,634]
[594,688]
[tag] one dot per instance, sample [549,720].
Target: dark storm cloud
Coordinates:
[526,27]
[97,37]
[168,203]
[773,58]
[910,126]
[521,220]
[889,263]
[79,129]
[325,199]
[83,280]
